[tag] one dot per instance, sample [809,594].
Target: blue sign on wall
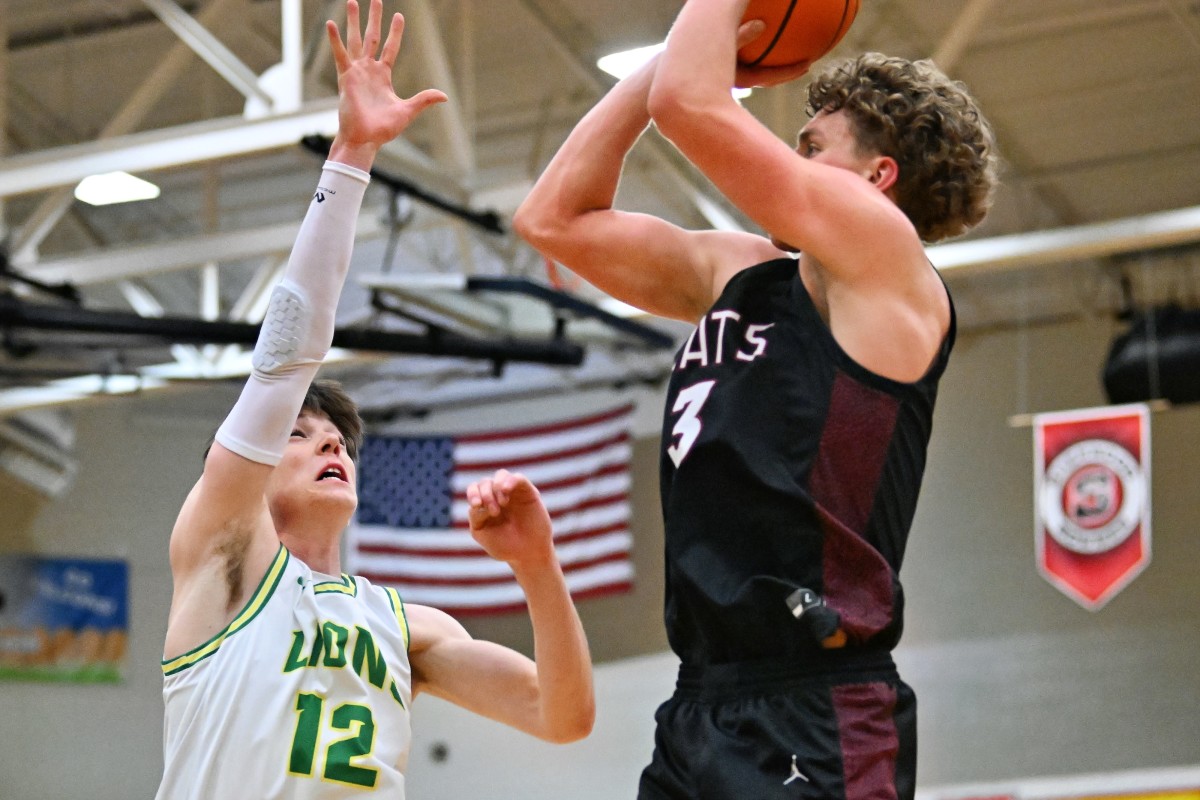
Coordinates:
[63,619]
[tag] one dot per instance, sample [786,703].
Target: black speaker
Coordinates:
[1157,358]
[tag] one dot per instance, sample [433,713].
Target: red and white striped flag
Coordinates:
[410,530]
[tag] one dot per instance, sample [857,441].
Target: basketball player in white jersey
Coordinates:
[283,677]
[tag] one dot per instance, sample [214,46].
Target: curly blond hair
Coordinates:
[912,112]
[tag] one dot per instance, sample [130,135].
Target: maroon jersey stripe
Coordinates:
[844,483]
[870,743]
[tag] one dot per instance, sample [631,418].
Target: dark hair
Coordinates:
[912,112]
[327,397]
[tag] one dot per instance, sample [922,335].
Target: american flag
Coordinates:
[410,530]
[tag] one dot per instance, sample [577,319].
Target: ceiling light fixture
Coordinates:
[625,62]
[114,187]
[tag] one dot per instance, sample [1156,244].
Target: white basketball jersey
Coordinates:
[305,694]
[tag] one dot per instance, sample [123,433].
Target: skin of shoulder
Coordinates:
[239,513]
[862,260]
[222,542]
[862,257]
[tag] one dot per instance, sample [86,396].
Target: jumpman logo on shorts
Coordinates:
[796,773]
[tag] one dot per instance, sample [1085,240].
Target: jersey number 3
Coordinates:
[687,427]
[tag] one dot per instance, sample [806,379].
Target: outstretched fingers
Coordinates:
[357,47]
[354,44]
[374,22]
[340,57]
[391,45]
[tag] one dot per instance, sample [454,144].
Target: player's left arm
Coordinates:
[820,209]
[550,697]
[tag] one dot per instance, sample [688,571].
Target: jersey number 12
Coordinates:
[338,757]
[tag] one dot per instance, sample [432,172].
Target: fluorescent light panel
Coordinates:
[619,308]
[624,62]
[114,187]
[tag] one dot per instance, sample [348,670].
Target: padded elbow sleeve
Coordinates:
[259,424]
[298,328]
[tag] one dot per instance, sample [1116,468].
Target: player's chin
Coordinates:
[784,246]
[339,492]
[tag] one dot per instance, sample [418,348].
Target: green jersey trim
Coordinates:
[398,610]
[346,586]
[254,605]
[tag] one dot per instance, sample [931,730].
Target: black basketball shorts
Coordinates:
[742,732]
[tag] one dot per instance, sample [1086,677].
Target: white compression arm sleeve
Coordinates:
[298,328]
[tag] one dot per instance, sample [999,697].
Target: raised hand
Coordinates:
[508,519]
[370,114]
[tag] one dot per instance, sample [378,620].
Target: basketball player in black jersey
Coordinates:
[799,410]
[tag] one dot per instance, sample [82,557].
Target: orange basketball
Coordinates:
[798,31]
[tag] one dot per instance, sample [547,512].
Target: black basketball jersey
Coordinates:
[785,464]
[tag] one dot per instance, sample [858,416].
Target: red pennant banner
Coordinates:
[1092,499]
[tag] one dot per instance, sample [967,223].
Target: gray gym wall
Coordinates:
[1013,679]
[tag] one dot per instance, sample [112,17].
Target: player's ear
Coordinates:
[884,172]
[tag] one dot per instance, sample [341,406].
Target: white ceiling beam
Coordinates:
[114,264]
[251,305]
[210,49]
[75,390]
[224,137]
[37,226]
[165,72]
[4,93]
[290,95]
[156,378]
[1151,231]
[403,157]
[282,85]
[962,30]
[204,141]
[145,303]
[428,40]
[547,14]
[210,291]
[467,85]
[140,299]
[1018,251]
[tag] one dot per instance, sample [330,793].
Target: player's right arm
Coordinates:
[640,259]
[224,536]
